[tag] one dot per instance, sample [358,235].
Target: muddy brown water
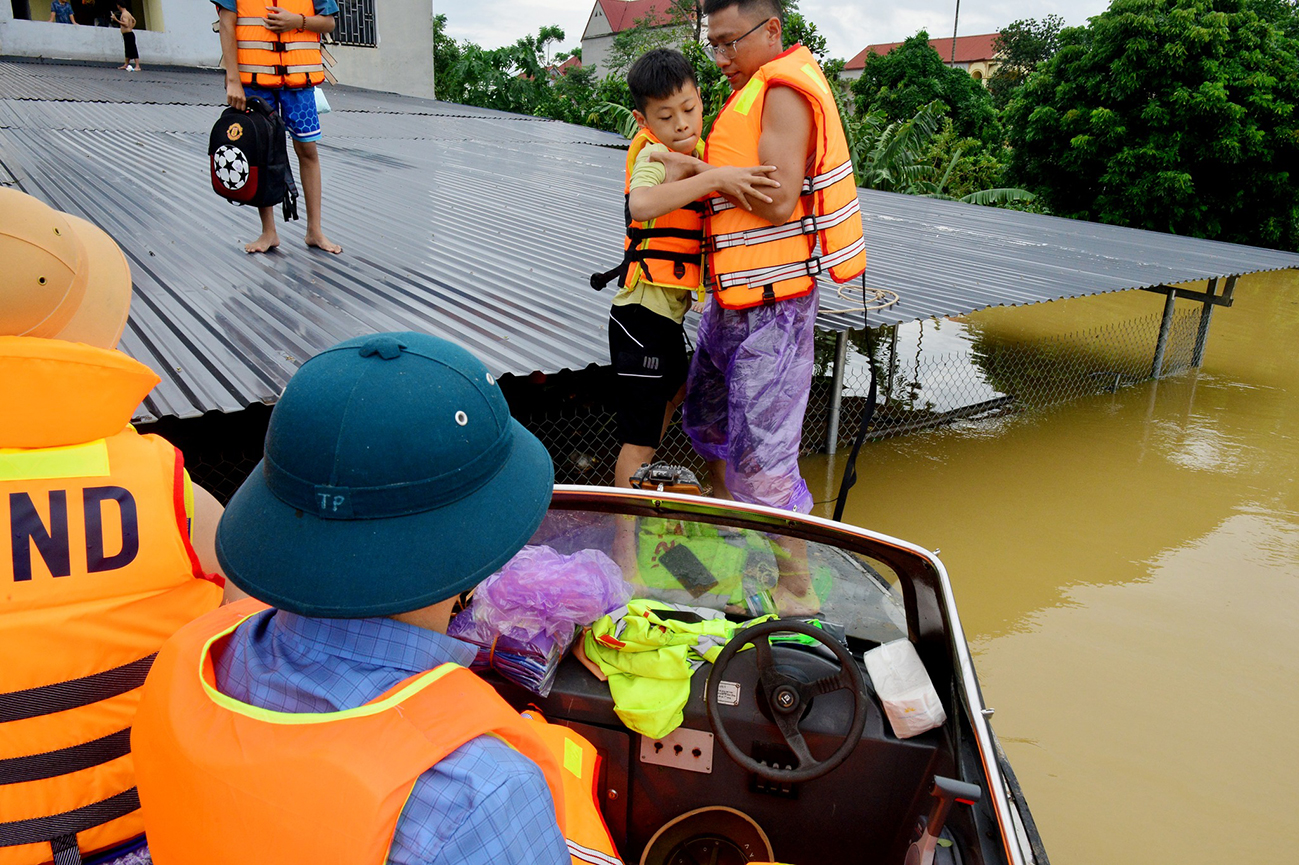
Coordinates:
[1127,571]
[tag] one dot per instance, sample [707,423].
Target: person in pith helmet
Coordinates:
[110,545]
[339,723]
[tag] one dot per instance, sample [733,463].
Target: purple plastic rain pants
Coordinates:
[746,394]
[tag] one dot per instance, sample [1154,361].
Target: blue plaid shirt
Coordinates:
[483,803]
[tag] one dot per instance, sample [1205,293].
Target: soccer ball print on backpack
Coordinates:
[250,160]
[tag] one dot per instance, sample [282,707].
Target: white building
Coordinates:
[386,46]
[611,17]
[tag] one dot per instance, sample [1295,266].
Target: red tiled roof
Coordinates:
[968,49]
[570,63]
[623,14]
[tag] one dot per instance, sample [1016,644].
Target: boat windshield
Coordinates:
[742,571]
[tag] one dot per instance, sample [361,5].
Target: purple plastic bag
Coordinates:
[746,394]
[524,616]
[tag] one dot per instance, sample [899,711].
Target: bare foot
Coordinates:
[268,241]
[319,241]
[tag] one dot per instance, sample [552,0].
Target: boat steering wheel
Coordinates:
[787,696]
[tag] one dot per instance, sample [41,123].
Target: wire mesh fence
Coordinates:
[571,412]
[927,390]
[991,377]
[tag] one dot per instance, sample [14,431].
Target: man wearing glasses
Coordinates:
[751,374]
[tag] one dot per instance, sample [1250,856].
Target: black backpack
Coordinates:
[249,159]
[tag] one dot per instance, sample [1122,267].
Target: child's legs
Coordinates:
[649,363]
[309,170]
[298,108]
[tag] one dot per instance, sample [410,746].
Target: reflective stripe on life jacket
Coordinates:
[664,250]
[219,778]
[751,261]
[273,60]
[96,572]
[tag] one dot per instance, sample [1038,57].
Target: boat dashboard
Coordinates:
[784,751]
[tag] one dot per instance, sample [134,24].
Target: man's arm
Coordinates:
[786,143]
[202,528]
[230,57]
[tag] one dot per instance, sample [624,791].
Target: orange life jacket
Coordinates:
[219,778]
[96,572]
[751,261]
[276,60]
[665,250]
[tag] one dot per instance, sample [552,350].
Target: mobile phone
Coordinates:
[692,574]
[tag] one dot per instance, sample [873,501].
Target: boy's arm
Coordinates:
[281,20]
[650,202]
[230,58]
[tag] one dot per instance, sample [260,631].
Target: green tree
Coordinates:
[922,156]
[446,54]
[800,29]
[1021,47]
[900,83]
[1171,115]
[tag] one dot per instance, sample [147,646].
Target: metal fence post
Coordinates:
[1157,368]
[1206,316]
[836,392]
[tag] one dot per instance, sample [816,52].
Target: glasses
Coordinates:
[728,49]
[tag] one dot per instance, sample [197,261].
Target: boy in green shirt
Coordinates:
[662,265]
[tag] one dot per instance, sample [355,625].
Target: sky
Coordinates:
[847,25]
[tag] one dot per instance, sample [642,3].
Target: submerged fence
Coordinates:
[918,389]
[918,392]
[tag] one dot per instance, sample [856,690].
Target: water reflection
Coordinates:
[1127,567]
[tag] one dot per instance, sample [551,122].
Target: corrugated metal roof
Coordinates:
[471,224]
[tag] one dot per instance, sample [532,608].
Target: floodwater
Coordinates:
[1127,571]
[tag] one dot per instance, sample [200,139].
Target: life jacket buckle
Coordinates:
[813,265]
[809,224]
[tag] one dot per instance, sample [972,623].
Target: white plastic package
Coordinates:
[322,104]
[908,695]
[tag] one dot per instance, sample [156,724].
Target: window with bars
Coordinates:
[356,24]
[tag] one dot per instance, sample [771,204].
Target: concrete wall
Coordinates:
[403,62]
[185,40]
[595,50]
[182,35]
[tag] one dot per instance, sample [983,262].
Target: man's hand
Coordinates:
[281,20]
[740,184]
[679,166]
[235,93]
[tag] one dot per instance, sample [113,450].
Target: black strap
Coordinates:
[51,764]
[867,412]
[289,207]
[661,255]
[44,830]
[636,235]
[61,696]
[633,255]
[66,850]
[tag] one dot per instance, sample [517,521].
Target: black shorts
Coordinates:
[648,351]
[128,43]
